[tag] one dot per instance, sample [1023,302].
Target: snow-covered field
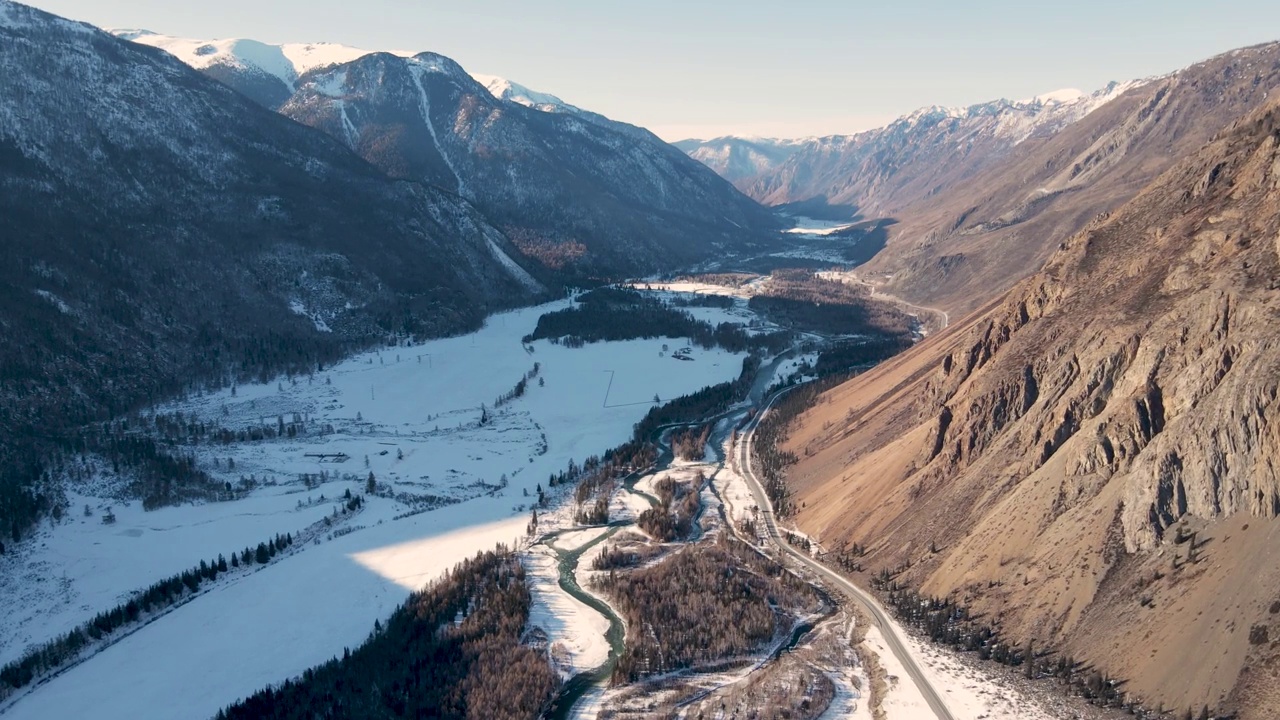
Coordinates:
[902,700]
[413,412]
[697,288]
[809,227]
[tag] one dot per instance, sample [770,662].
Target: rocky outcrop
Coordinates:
[1100,448]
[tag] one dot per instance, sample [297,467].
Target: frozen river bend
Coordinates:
[448,486]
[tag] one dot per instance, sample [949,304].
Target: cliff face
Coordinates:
[1060,446]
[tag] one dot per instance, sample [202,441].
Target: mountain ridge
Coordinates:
[169,234]
[1045,460]
[578,193]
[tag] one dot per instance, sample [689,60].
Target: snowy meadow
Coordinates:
[450,474]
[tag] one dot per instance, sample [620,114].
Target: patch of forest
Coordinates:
[801,300]
[453,650]
[842,357]
[703,604]
[614,313]
[678,506]
[724,302]
[729,279]
[699,405]
[690,444]
[791,689]
[626,551]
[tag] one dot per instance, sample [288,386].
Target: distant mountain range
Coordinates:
[577,192]
[880,170]
[876,169]
[741,160]
[982,195]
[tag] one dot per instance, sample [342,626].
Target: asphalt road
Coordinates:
[869,604]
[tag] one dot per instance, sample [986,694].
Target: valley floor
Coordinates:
[413,412]
[447,486]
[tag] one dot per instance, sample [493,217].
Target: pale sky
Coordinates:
[714,67]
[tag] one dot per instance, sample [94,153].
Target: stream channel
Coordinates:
[578,686]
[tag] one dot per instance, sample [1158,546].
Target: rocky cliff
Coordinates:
[1091,460]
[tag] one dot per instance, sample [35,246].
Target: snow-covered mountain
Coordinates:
[572,188]
[880,170]
[504,89]
[265,72]
[269,72]
[740,159]
[161,228]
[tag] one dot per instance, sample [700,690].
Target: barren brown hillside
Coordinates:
[1061,445]
[977,232]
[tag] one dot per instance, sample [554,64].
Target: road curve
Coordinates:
[873,608]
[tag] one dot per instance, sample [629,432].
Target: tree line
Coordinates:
[612,314]
[452,650]
[519,390]
[56,654]
[801,300]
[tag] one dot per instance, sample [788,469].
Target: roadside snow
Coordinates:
[968,692]
[902,700]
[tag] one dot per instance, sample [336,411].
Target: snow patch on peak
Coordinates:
[503,89]
[331,85]
[130,34]
[1065,95]
[306,57]
[287,61]
[232,52]
[437,63]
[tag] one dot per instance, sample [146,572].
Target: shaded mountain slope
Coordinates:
[1091,461]
[160,230]
[580,193]
[572,191]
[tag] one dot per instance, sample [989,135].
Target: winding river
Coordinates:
[578,686]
